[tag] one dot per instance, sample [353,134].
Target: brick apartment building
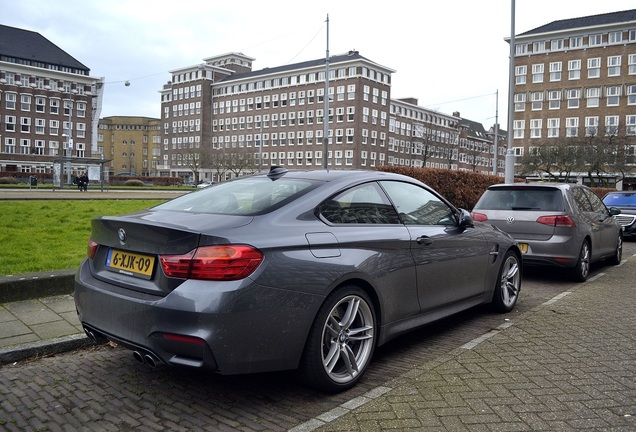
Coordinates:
[576,79]
[49,106]
[222,114]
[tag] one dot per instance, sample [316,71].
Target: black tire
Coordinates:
[508,283]
[341,341]
[581,270]
[618,252]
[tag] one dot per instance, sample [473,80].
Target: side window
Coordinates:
[581,199]
[417,206]
[365,204]
[597,204]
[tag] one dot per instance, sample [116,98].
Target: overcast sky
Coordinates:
[450,55]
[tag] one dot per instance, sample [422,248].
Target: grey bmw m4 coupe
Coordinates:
[306,270]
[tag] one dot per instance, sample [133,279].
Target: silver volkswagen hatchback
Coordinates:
[555,224]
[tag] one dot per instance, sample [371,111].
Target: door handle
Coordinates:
[424,240]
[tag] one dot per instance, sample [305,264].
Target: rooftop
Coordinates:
[29,47]
[583,22]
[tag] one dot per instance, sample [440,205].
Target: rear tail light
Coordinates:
[225,263]
[479,217]
[557,221]
[91,249]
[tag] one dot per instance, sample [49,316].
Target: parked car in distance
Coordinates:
[205,184]
[625,201]
[285,270]
[556,224]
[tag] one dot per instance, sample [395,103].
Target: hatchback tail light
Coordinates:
[224,263]
[479,217]
[557,221]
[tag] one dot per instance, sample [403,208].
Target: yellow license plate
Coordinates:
[129,263]
[523,247]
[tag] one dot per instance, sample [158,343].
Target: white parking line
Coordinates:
[341,410]
[556,298]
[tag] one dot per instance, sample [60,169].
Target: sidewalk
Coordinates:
[30,328]
[567,365]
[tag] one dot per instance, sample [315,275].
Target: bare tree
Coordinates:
[557,160]
[424,142]
[194,158]
[240,163]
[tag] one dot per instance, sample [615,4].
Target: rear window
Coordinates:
[544,199]
[246,196]
[620,200]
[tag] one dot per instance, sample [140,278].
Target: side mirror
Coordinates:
[465,219]
[614,211]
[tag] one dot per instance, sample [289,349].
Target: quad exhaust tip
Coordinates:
[147,359]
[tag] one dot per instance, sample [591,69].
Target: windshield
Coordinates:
[620,200]
[246,196]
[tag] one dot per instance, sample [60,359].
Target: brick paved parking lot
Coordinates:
[564,360]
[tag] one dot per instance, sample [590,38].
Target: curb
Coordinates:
[43,348]
[36,285]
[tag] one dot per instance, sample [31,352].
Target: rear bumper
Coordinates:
[558,251]
[229,327]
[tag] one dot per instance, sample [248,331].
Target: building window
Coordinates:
[9,145]
[520,101]
[574,69]
[631,61]
[538,47]
[520,74]
[573,98]
[537,73]
[25,124]
[591,126]
[630,125]
[10,100]
[555,71]
[39,126]
[612,94]
[631,94]
[25,103]
[555,99]
[594,67]
[595,40]
[537,101]
[572,127]
[613,66]
[9,123]
[535,128]
[556,44]
[521,49]
[615,37]
[611,125]
[518,129]
[593,97]
[553,127]
[40,104]
[576,42]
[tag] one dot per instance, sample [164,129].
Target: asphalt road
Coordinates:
[104,388]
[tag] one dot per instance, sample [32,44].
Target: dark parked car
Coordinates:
[562,225]
[310,270]
[625,201]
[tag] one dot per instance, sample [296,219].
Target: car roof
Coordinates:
[334,174]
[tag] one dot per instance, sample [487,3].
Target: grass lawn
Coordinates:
[52,234]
